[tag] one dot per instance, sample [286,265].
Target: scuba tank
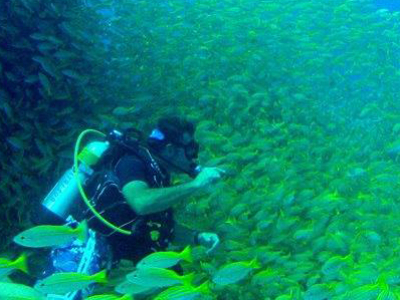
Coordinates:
[64,197]
[65,194]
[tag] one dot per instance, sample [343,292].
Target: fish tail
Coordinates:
[82,231]
[100,277]
[21,263]
[255,264]
[186,254]
[204,288]
[349,257]
[187,279]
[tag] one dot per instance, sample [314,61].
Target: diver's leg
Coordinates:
[94,257]
[88,258]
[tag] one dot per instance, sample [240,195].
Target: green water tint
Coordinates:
[298,101]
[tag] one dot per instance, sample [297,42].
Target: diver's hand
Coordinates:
[208,176]
[209,240]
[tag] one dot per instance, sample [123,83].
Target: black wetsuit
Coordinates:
[151,232]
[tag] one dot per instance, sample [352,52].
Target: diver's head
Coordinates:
[172,141]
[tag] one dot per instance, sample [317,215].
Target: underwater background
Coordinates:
[298,100]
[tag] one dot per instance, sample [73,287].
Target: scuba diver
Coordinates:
[129,212]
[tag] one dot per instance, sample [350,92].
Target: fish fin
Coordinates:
[204,288]
[186,254]
[255,264]
[100,277]
[187,279]
[349,258]
[21,263]
[82,231]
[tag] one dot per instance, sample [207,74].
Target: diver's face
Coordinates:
[177,155]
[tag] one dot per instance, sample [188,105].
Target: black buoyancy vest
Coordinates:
[109,201]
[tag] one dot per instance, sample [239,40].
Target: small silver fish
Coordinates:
[158,277]
[65,282]
[14,291]
[51,235]
[233,272]
[127,287]
[165,259]
[184,292]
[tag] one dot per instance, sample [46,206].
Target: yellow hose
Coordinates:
[82,192]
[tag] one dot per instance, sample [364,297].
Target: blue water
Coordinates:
[393,5]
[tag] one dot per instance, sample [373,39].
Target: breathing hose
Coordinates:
[80,187]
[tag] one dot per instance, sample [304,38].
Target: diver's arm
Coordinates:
[145,200]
